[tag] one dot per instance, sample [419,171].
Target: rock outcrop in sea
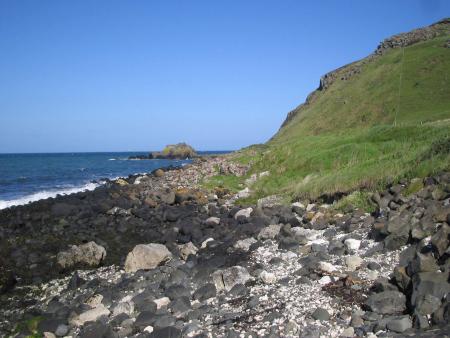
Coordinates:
[180,151]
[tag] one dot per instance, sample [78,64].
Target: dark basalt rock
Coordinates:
[387,302]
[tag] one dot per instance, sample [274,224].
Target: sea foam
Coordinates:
[46,194]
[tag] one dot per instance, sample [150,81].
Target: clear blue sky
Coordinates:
[135,75]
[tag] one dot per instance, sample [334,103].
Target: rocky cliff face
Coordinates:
[346,72]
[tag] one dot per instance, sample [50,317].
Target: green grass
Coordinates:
[233,183]
[389,121]
[356,200]
[31,326]
[405,86]
[363,159]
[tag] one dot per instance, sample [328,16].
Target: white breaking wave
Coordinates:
[46,194]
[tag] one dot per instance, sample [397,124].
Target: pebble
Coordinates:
[352,244]
[268,277]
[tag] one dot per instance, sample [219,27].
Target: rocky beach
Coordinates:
[157,255]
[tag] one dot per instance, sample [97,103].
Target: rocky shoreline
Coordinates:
[158,256]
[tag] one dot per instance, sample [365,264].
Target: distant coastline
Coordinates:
[29,177]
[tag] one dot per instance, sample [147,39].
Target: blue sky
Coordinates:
[136,75]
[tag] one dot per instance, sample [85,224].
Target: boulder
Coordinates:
[387,302]
[227,278]
[429,283]
[90,254]
[159,173]
[146,256]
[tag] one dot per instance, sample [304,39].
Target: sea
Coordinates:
[26,178]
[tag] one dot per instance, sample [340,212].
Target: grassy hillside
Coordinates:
[382,118]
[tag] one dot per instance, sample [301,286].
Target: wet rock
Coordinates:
[90,254]
[387,302]
[146,256]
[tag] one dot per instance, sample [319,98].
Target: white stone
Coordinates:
[353,262]
[205,242]
[160,302]
[244,244]
[310,206]
[352,244]
[49,335]
[146,256]
[327,267]
[372,275]
[138,180]
[212,221]
[90,315]
[148,329]
[61,330]
[325,280]
[243,193]
[348,332]
[268,277]
[299,205]
[187,249]
[124,307]
[243,213]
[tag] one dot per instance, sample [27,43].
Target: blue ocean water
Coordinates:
[29,177]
